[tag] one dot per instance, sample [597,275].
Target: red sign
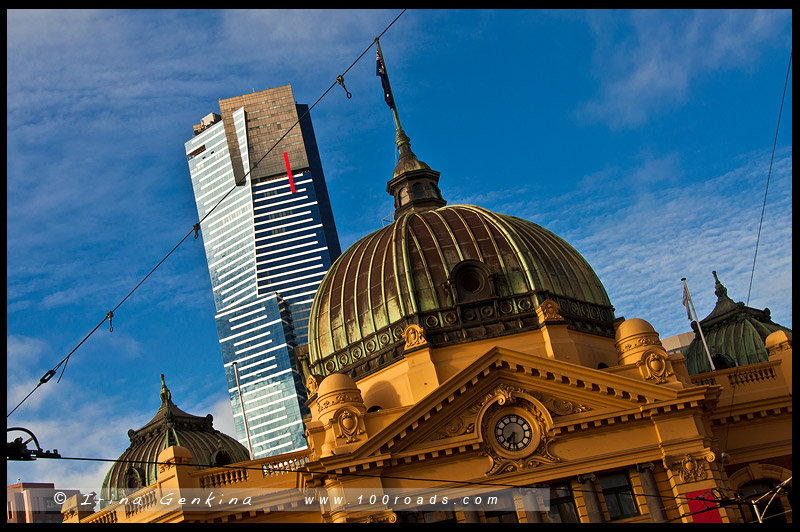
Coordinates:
[289,171]
[703,507]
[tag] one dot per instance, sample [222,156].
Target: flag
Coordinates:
[380,70]
[686,301]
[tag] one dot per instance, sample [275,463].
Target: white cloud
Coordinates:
[219,406]
[94,430]
[654,67]
[645,227]
[643,249]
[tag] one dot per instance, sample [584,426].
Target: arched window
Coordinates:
[221,458]
[471,281]
[134,479]
[756,479]
[769,501]
[722,361]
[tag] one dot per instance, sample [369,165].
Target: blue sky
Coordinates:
[642,138]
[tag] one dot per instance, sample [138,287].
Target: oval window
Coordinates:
[470,280]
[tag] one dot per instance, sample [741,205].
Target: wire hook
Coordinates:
[340,81]
[196,228]
[109,316]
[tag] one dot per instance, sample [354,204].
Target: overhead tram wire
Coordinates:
[758,237]
[195,228]
[769,174]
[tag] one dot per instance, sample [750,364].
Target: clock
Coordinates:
[513,432]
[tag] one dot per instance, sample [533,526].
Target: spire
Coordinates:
[720,290]
[724,303]
[414,185]
[166,395]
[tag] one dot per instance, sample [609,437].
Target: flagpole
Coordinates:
[699,328]
[244,415]
[401,136]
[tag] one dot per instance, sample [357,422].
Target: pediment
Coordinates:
[558,396]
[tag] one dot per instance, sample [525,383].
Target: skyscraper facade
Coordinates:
[269,239]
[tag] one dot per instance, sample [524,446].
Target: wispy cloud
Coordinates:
[87,422]
[688,231]
[75,420]
[642,231]
[651,65]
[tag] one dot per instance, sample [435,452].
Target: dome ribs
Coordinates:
[420,269]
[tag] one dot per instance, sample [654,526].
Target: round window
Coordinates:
[470,280]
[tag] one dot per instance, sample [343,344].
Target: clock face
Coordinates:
[513,432]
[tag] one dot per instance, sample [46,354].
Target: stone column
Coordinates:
[532,504]
[651,494]
[470,515]
[590,498]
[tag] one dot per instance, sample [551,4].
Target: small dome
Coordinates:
[777,338]
[634,338]
[335,382]
[171,427]
[633,327]
[735,334]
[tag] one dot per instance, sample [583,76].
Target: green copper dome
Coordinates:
[137,467]
[461,273]
[734,333]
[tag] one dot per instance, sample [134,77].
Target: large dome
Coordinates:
[461,273]
[171,426]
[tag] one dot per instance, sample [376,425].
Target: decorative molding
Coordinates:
[645,466]
[414,335]
[776,349]
[175,461]
[456,323]
[655,366]
[340,397]
[465,421]
[312,383]
[560,407]
[348,424]
[383,517]
[641,341]
[549,310]
[690,468]
[536,454]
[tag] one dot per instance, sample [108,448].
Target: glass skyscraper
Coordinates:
[268,245]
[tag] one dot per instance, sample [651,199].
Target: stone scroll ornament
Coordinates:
[414,336]
[312,383]
[655,366]
[348,424]
[689,467]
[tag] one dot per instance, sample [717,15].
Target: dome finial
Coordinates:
[719,289]
[166,395]
[414,185]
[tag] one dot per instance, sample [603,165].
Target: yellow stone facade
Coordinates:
[457,410]
[637,440]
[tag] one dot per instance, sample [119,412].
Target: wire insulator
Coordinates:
[340,81]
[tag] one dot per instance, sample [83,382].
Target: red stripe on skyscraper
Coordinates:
[289,171]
